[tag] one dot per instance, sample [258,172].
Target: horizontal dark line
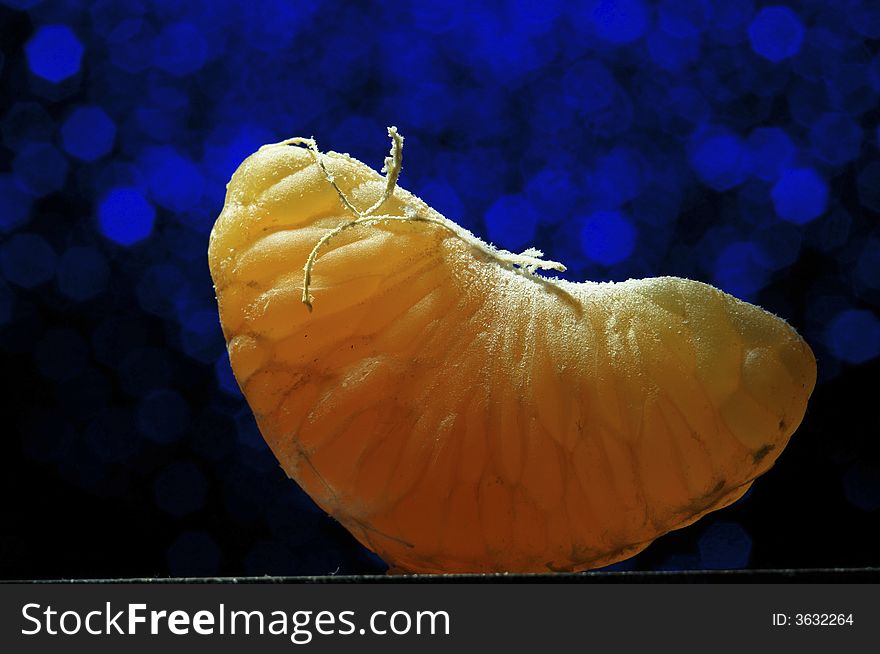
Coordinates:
[782,575]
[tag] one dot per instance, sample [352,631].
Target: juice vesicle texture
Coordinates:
[457,415]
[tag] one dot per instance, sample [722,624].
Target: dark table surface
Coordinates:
[782,575]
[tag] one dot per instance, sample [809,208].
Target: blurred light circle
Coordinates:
[742,269]
[511,222]
[134,53]
[201,336]
[684,18]
[588,87]
[40,169]
[82,273]
[88,133]
[227,147]
[864,17]
[117,20]
[435,18]
[619,21]
[687,106]
[608,237]
[552,189]
[439,194]
[15,204]
[174,181]
[54,53]
[424,105]
[617,178]
[160,287]
[288,20]
[776,33]
[729,20]
[615,119]
[861,485]
[770,151]
[125,216]
[849,85]
[836,138]
[854,335]
[27,260]
[670,52]
[718,158]
[800,195]
[180,49]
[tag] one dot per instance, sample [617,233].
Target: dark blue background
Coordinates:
[727,141]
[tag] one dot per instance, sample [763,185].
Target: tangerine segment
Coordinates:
[459,415]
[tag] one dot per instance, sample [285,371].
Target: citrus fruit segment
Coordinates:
[458,413]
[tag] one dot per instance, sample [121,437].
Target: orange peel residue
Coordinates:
[457,412]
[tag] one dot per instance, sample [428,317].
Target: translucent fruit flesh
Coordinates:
[459,416]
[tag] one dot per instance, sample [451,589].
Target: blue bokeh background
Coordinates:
[729,141]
